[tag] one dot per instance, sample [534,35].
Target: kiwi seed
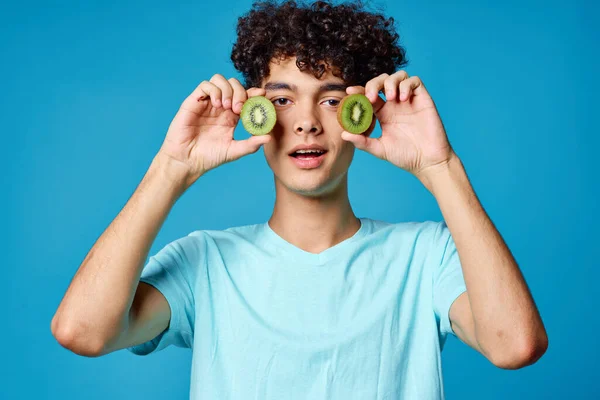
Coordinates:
[258,115]
[355,113]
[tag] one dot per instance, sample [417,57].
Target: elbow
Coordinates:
[76,340]
[525,354]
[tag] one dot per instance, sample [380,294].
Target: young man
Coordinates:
[315,303]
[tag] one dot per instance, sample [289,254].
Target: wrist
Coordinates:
[436,176]
[173,175]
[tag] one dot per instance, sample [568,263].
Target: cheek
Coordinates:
[274,152]
[270,152]
[345,153]
[283,124]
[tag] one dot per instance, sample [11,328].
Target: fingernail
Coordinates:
[226,103]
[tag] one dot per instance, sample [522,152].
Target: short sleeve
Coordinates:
[448,279]
[173,271]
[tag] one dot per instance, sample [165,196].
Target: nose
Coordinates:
[307,122]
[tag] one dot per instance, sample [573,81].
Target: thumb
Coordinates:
[362,142]
[240,148]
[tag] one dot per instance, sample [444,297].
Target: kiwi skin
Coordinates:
[365,101]
[268,112]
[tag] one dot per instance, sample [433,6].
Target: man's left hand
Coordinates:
[412,134]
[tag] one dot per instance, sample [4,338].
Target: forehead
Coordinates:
[286,71]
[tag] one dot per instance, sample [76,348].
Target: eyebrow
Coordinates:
[326,87]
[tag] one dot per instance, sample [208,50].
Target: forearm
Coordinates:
[505,317]
[97,302]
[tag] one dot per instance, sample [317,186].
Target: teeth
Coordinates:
[309,151]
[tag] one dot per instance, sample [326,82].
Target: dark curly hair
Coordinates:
[357,45]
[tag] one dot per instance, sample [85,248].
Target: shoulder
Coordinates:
[421,230]
[198,246]
[414,238]
[223,237]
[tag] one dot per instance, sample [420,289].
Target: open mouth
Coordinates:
[308,154]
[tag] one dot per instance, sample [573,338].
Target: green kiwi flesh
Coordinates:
[258,115]
[355,113]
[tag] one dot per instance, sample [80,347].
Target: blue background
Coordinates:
[89,89]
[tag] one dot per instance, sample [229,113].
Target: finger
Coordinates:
[410,87]
[373,87]
[361,90]
[192,102]
[370,145]
[213,91]
[391,85]
[226,89]
[254,91]
[355,90]
[239,95]
[240,148]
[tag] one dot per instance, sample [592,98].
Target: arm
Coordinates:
[497,315]
[104,309]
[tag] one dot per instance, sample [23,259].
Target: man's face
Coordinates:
[306,117]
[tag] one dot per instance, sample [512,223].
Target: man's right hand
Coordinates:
[200,136]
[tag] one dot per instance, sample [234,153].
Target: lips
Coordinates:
[307,151]
[308,156]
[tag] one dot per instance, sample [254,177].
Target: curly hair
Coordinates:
[355,44]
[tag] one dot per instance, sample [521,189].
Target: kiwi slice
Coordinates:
[355,113]
[258,115]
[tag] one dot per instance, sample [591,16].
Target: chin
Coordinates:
[312,186]
[319,181]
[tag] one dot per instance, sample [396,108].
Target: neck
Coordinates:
[313,224]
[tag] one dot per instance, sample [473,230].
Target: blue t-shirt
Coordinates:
[364,319]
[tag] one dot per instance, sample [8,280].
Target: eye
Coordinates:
[280,101]
[332,102]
